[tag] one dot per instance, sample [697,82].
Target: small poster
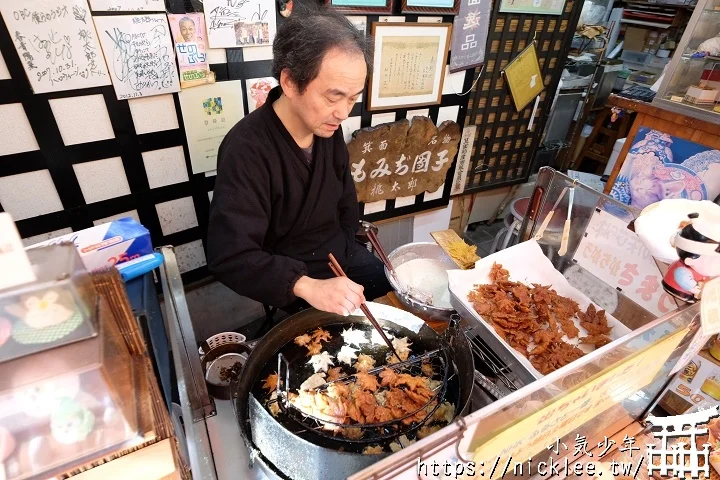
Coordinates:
[524,77]
[257,91]
[535,7]
[140,54]
[209,112]
[618,257]
[188,31]
[127,5]
[659,166]
[470,32]
[57,44]
[250,23]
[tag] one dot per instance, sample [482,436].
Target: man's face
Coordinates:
[330,97]
[187,30]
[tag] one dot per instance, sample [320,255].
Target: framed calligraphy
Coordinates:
[470,35]
[524,78]
[362,6]
[447,7]
[409,64]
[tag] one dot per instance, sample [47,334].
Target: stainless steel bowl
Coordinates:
[412,251]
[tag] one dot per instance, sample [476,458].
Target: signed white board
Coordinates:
[57,44]
[240,23]
[127,5]
[140,54]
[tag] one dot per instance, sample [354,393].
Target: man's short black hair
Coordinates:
[307,35]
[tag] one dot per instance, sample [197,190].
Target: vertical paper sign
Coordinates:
[618,257]
[463,163]
[57,44]
[191,46]
[209,112]
[140,54]
[240,23]
[470,34]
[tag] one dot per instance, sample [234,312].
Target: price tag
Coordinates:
[12,256]
[710,307]
[676,98]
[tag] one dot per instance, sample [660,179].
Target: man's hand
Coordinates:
[336,295]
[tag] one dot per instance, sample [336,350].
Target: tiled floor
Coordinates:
[483,236]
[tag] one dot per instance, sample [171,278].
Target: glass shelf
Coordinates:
[685,74]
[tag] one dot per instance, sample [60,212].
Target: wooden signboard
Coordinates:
[399,160]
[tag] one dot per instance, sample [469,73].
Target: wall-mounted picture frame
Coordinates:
[409,64]
[534,7]
[444,7]
[367,7]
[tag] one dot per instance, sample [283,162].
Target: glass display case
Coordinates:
[691,85]
[70,392]
[56,309]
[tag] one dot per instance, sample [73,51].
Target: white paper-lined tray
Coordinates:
[527,264]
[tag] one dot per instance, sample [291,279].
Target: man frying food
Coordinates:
[284,197]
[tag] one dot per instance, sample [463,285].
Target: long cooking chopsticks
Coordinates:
[338,271]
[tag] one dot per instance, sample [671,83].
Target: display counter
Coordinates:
[513,415]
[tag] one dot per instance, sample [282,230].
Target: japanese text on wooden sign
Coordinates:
[399,160]
[470,34]
[618,257]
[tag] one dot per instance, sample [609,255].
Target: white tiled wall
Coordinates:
[176,215]
[102,179]
[82,119]
[165,166]
[15,130]
[132,214]
[153,114]
[28,195]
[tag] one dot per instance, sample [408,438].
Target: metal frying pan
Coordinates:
[307,455]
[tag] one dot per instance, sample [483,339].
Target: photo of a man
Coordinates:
[187,30]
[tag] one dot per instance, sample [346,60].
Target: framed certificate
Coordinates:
[409,64]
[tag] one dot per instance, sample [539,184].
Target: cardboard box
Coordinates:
[108,244]
[699,382]
[651,44]
[635,39]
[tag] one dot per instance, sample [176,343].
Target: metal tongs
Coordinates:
[407,290]
[338,271]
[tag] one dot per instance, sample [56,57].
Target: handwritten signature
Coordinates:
[55,47]
[140,60]
[228,16]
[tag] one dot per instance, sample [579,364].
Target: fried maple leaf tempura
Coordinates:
[533,320]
